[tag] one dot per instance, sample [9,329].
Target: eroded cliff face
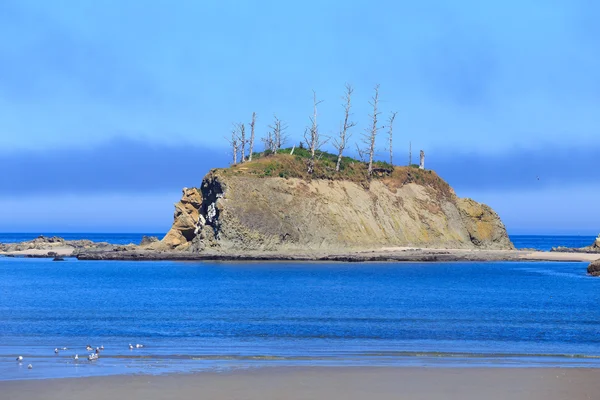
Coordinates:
[185,224]
[233,213]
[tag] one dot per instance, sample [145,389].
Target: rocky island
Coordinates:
[271,208]
[241,209]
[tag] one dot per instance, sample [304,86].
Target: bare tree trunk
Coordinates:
[268,141]
[374,128]
[391,127]
[233,142]
[242,129]
[312,136]
[340,144]
[278,135]
[252,136]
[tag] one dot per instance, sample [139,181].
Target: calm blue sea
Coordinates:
[545,243]
[195,316]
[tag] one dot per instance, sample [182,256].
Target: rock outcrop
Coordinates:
[44,246]
[593,248]
[186,222]
[148,241]
[594,268]
[233,212]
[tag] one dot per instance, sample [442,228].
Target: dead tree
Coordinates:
[242,137]
[268,141]
[340,144]
[277,134]
[370,136]
[233,142]
[251,142]
[312,137]
[390,129]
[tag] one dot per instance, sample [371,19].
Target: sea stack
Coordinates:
[594,268]
[273,204]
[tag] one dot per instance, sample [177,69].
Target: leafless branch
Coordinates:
[252,123]
[371,134]
[234,143]
[390,136]
[341,143]
[311,136]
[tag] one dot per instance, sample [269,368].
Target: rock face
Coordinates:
[186,221]
[235,212]
[148,240]
[594,268]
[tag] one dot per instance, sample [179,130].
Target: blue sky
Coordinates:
[107,109]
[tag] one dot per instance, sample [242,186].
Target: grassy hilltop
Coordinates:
[283,165]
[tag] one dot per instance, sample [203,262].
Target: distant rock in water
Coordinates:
[148,240]
[594,268]
[256,206]
[52,247]
[593,248]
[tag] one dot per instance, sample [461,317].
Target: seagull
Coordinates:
[97,350]
[64,348]
[139,346]
[29,366]
[88,348]
[101,347]
[130,346]
[55,351]
[92,357]
[20,358]
[76,357]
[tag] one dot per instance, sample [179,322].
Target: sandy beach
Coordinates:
[324,383]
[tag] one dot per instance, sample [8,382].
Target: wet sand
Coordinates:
[324,383]
[376,255]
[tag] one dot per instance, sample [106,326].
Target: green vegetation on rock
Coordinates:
[286,165]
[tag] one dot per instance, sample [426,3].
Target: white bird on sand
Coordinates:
[20,358]
[139,346]
[130,346]
[55,351]
[29,366]
[88,348]
[76,357]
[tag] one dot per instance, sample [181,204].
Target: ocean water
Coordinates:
[544,242]
[197,316]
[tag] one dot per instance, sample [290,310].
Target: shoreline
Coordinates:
[379,255]
[323,383]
